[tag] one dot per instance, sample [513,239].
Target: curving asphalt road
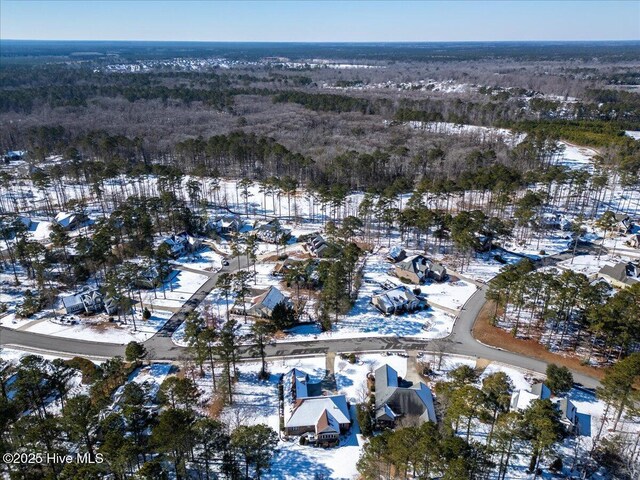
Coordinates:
[161,348]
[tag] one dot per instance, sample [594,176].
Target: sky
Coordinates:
[319,21]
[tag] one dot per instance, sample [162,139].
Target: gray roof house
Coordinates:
[307,411]
[395,403]
[569,413]
[396,300]
[317,246]
[621,275]
[89,301]
[182,244]
[396,254]
[263,305]
[272,232]
[226,224]
[70,220]
[418,268]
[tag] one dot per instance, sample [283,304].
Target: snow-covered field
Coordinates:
[478,133]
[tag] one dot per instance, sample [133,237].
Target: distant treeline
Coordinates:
[448,51]
[332,103]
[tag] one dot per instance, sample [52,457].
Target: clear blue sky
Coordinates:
[318,21]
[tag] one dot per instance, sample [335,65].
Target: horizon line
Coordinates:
[344,42]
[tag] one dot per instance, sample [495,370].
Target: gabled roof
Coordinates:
[541,390]
[64,219]
[415,401]
[415,263]
[568,410]
[327,424]
[385,377]
[521,400]
[622,272]
[269,299]
[308,410]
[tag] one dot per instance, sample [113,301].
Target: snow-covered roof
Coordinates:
[64,219]
[395,297]
[521,400]
[309,410]
[296,380]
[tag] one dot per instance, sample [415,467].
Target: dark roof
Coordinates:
[620,272]
[541,390]
[416,401]
[385,377]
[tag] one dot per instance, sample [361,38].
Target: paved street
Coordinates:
[160,347]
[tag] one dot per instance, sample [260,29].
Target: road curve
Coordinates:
[161,348]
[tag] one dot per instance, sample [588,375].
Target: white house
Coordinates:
[396,300]
[521,400]
[182,244]
[89,301]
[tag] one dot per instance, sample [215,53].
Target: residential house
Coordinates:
[418,268]
[307,411]
[89,301]
[396,254]
[226,224]
[521,400]
[70,220]
[624,223]
[148,277]
[396,300]
[395,403]
[634,241]
[317,246]
[263,305]
[272,232]
[621,275]
[14,155]
[568,413]
[182,244]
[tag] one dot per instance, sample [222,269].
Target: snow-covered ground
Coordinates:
[97,327]
[589,265]
[365,320]
[205,259]
[478,133]
[256,401]
[351,378]
[175,291]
